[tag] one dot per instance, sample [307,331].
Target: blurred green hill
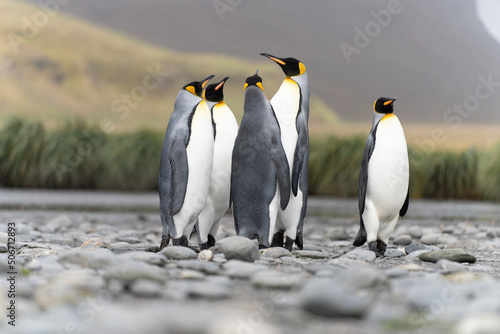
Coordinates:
[63,67]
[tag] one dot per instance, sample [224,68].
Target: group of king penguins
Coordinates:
[260,168]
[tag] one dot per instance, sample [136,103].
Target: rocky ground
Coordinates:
[94,272]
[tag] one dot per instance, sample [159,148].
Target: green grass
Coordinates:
[77,156]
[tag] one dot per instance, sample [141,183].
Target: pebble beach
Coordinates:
[88,263]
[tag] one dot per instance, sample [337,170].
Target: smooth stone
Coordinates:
[390,252]
[242,269]
[69,287]
[403,240]
[105,229]
[446,266]
[206,255]
[56,224]
[456,255]
[4,248]
[46,266]
[93,244]
[485,323]
[418,247]
[97,259]
[275,280]
[410,267]
[189,274]
[239,248]
[146,288]
[209,268]
[310,254]
[148,257]
[179,253]
[415,232]
[326,298]
[346,262]
[338,244]
[363,255]
[337,233]
[40,252]
[290,260]
[276,252]
[356,278]
[430,239]
[131,270]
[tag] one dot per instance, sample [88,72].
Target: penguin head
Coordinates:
[196,87]
[384,105]
[290,66]
[214,92]
[254,80]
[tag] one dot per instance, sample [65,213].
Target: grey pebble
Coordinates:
[311,247]
[363,255]
[456,255]
[3,248]
[97,259]
[242,269]
[326,298]
[275,280]
[391,252]
[148,257]
[447,267]
[239,248]
[131,270]
[4,238]
[310,254]
[209,290]
[178,253]
[403,240]
[93,243]
[210,268]
[337,233]
[276,252]
[430,239]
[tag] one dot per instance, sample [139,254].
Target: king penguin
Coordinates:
[383,178]
[225,130]
[186,164]
[291,104]
[260,175]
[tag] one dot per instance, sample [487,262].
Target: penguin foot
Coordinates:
[278,239]
[164,242]
[360,238]
[373,247]
[381,246]
[208,244]
[182,241]
[299,241]
[289,243]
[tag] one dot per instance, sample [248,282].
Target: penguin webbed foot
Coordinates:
[299,241]
[278,239]
[289,243]
[378,247]
[208,244]
[182,241]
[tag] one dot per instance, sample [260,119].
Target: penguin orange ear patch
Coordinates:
[191,89]
[302,68]
[245,86]
[259,84]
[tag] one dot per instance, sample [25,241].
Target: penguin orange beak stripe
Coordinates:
[281,62]
[207,79]
[221,83]
[389,102]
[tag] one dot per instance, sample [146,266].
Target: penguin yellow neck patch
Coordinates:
[387,116]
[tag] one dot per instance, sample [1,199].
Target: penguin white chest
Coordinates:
[200,156]
[286,106]
[388,168]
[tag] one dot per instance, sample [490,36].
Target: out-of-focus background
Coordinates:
[87,87]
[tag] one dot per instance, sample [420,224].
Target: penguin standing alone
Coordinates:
[291,105]
[383,178]
[260,176]
[186,164]
[225,130]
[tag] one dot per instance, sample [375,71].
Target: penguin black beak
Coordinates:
[206,80]
[273,58]
[223,81]
[257,72]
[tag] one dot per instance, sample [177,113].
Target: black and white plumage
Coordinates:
[260,175]
[186,164]
[383,179]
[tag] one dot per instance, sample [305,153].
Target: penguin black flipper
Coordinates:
[404,208]
[363,182]
[280,162]
[300,152]
[180,170]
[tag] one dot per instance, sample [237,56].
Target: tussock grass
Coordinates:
[77,156]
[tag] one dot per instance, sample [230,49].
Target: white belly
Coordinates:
[388,169]
[199,155]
